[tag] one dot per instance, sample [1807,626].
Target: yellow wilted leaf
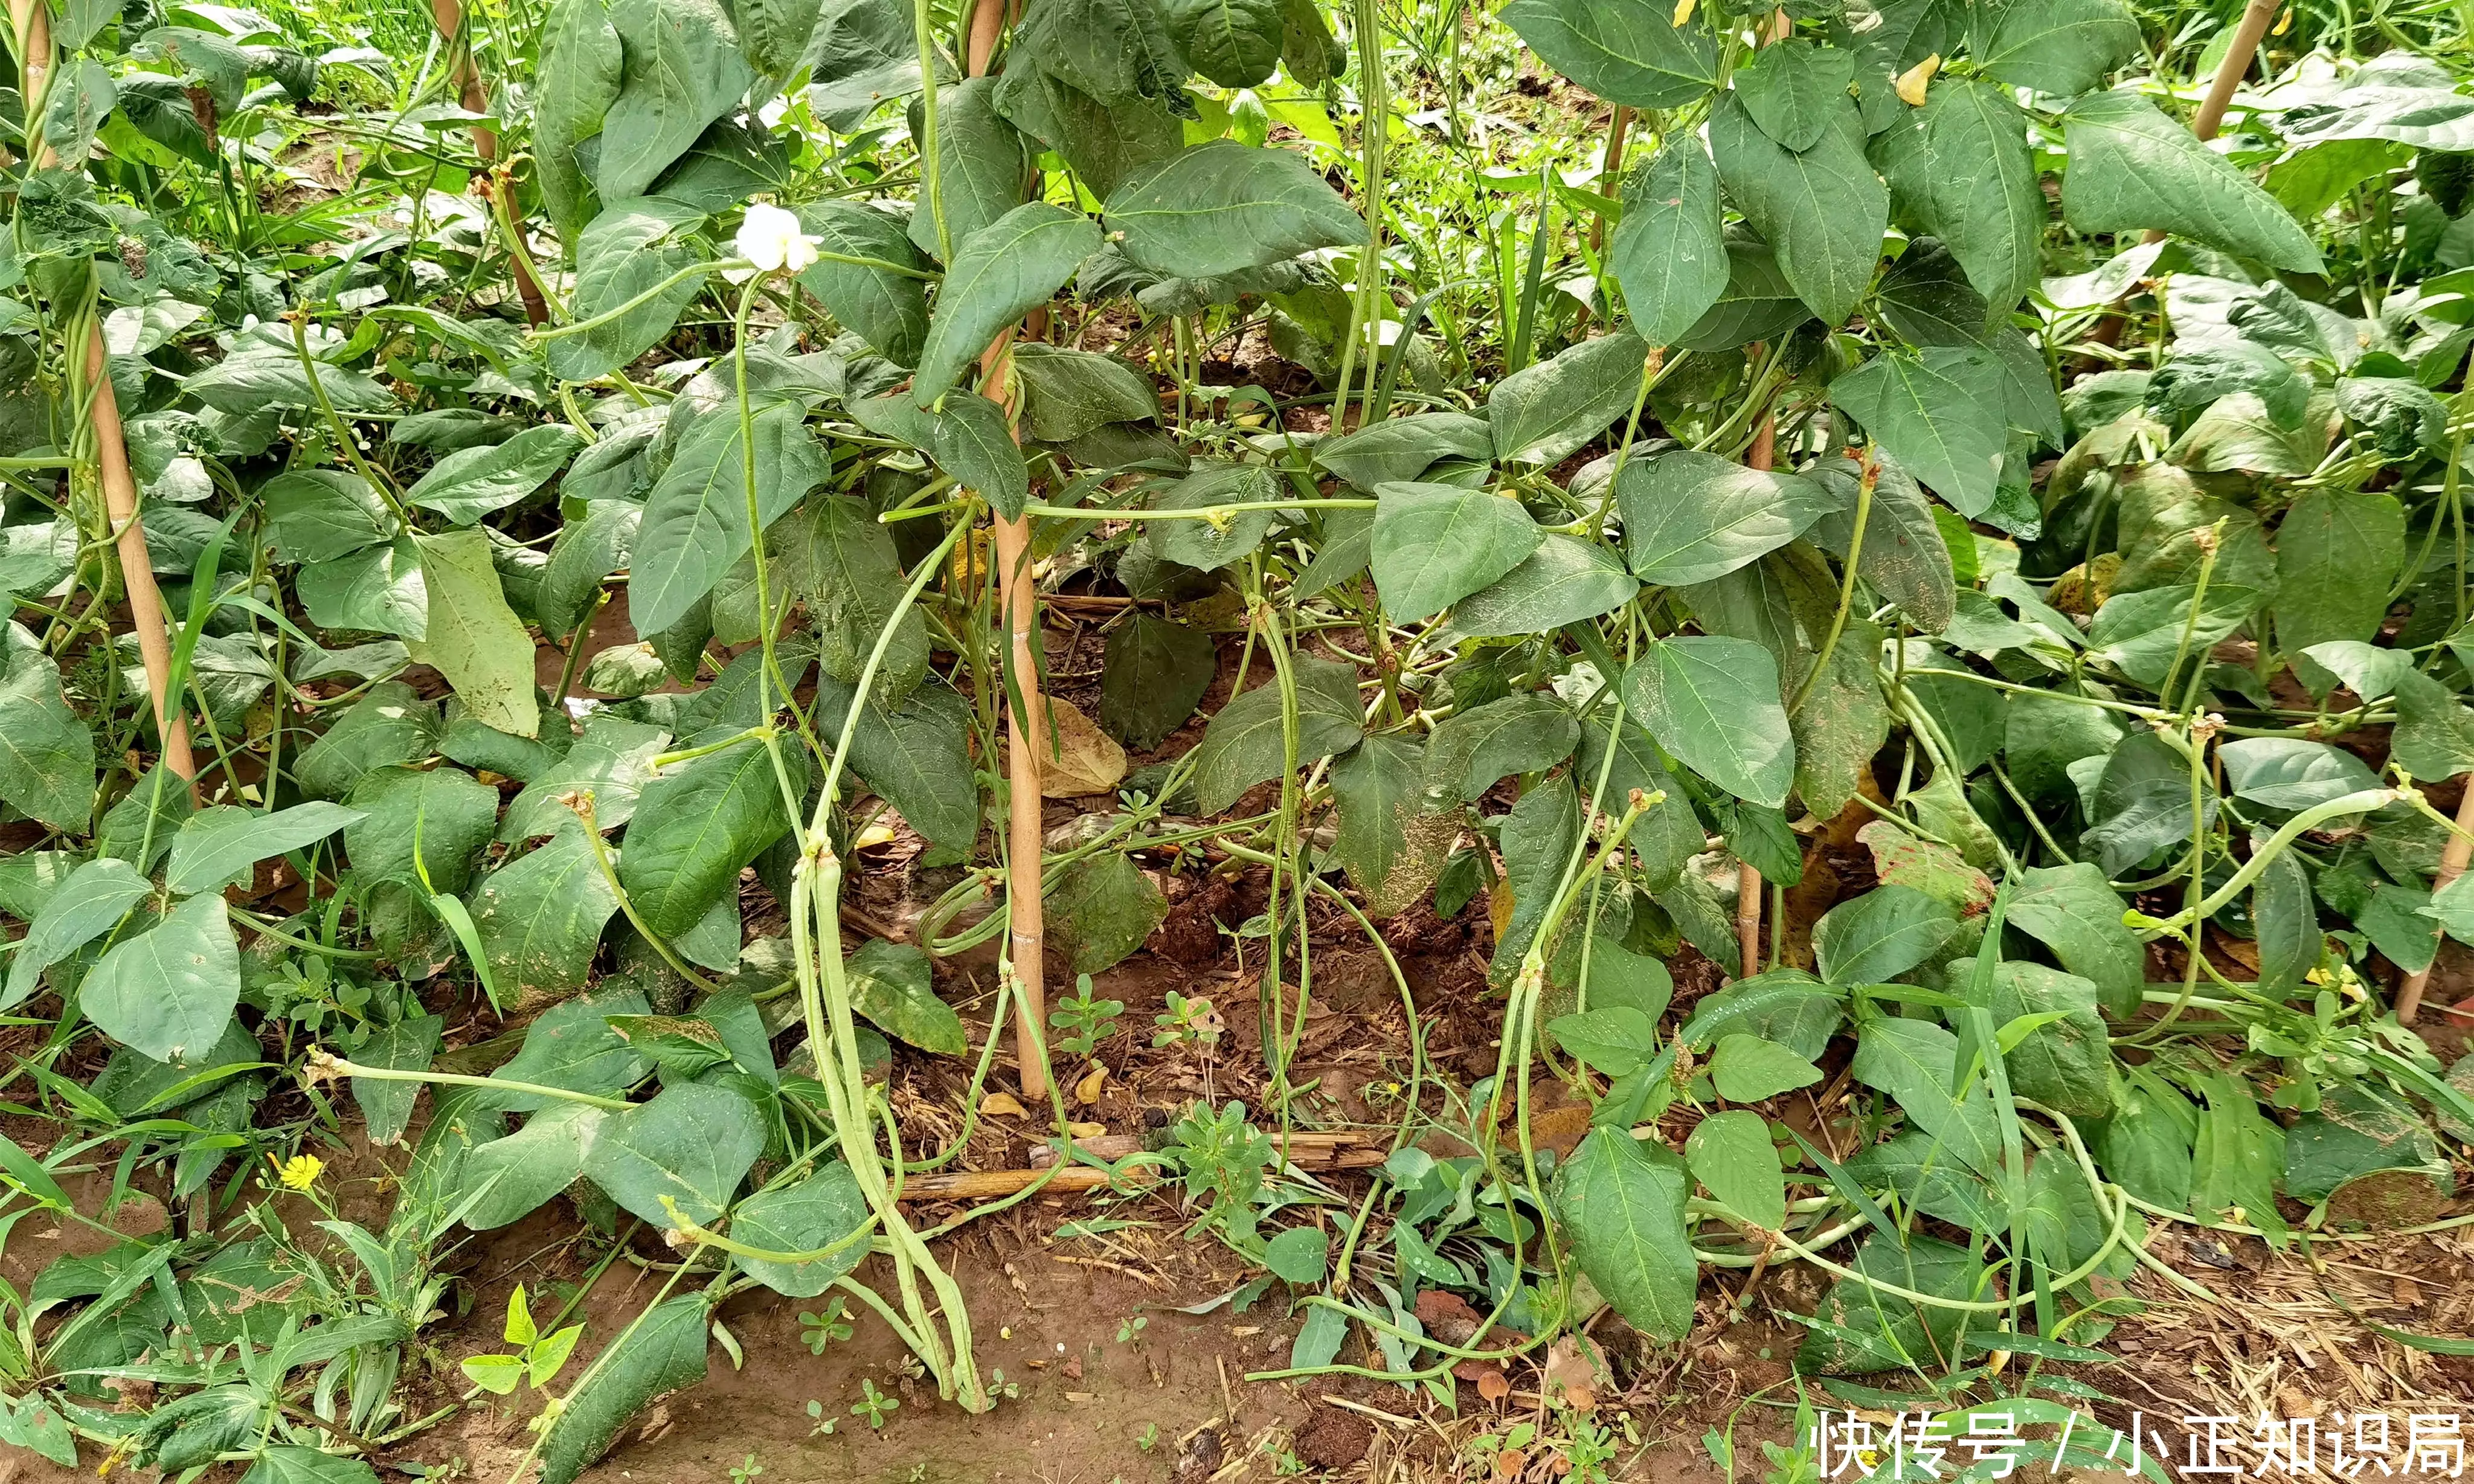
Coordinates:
[1086,1131]
[1911,82]
[1087,1090]
[1683,13]
[1498,906]
[1084,760]
[1002,1105]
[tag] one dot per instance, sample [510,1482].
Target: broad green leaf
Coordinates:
[2067,1064]
[1748,1069]
[1621,1202]
[1914,1062]
[1397,448]
[1945,432]
[627,251]
[1861,1329]
[998,275]
[1235,43]
[1101,911]
[389,725]
[2133,169]
[662,1352]
[2435,734]
[1543,414]
[585,552]
[46,752]
[696,524]
[1223,207]
[1822,211]
[1732,1154]
[2141,633]
[893,986]
[1875,937]
[1904,557]
[980,166]
[540,916]
[822,1210]
[2370,1158]
[973,441]
[1068,393]
[1435,544]
[1623,51]
[683,70]
[1207,545]
[2069,909]
[85,907]
[219,845]
[1793,88]
[1566,580]
[474,639]
[171,988]
[887,308]
[1298,1255]
[1714,704]
[2338,554]
[1923,1176]
[838,557]
[405,1046]
[692,1144]
[293,1464]
[1114,49]
[611,761]
[1390,846]
[2060,47]
[1758,303]
[1616,1041]
[1669,255]
[1243,745]
[572,1045]
[470,483]
[582,66]
[1471,751]
[382,589]
[1536,840]
[698,822]
[317,515]
[1692,517]
[917,755]
[1153,674]
[1106,144]
[2290,773]
[1785,1005]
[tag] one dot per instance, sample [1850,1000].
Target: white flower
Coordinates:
[770,238]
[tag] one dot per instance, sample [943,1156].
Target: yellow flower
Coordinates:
[300,1172]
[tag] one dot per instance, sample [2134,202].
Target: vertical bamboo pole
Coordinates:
[1763,454]
[448,16]
[2231,69]
[2453,860]
[1025,740]
[31,22]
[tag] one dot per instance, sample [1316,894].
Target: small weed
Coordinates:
[1126,1330]
[537,1358]
[1087,1022]
[874,1406]
[824,1426]
[1187,1019]
[745,1470]
[818,1330]
[1000,1388]
[1148,1438]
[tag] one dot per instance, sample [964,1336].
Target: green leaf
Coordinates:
[475,640]
[405,1046]
[696,524]
[1732,1154]
[1536,840]
[382,589]
[1914,1062]
[1879,935]
[585,552]
[1748,1069]
[498,1374]
[170,989]
[1102,910]
[219,845]
[838,557]
[540,916]
[2061,47]
[1436,544]
[1104,143]
[893,986]
[2290,773]
[1692,517]
[692,1144]
[1621,1202]
[1669,255]
[1390,846]
[1861,1329]
[981,165]
[1626,53]
[2142,632]
[1206,545]
[1543,414]
[683,71]
[470,483]
[973,441]
[291,1464]
[1153,674]
[1615,1042]
[389,725]
[612,760]
[1235,43]
[2134,169]
[2067,1064]
[46,753]
[572,1045]
[1945,432]
[317,515]
[1821,210]
[631,249]
[583,65]
[2070,909]
[1068,393]
[815,1212]
[2338,554]
[85,907]
[1222,207]
[1298,1255]
[998,275]
[1243,745]
[1714,704]
[1470,751]
[917,755]
[698,823]
[1114,49]
[662,1352]
[1397,448]
[887,309]
[2369,1157]
[1793,89]
[1566,580]
[1758,303]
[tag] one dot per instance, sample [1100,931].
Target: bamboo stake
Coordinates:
[1026,925]
[31,22]
[449,15]
[2231,69]
[1763,454]
[2453,860]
